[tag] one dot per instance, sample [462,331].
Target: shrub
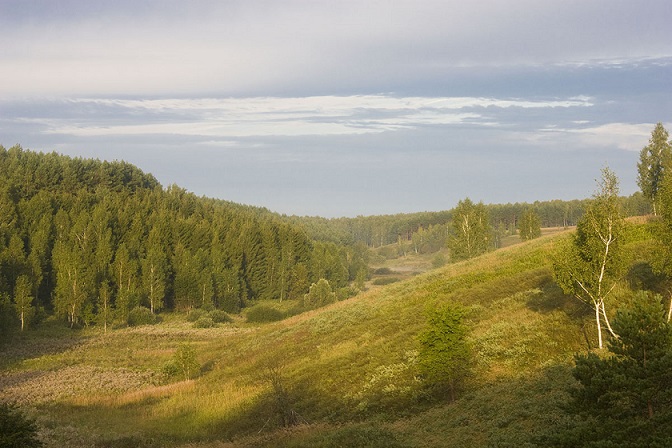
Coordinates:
[204,322]
[195,314]
[220,317]
[438,261]
[385,281]
[445,356]
[346,292]
[16,430]
[262,313]
[183,364]
[320,294]
[383,271]
[141,316]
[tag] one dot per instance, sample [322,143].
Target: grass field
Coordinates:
[349,369]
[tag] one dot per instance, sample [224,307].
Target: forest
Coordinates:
[91,241]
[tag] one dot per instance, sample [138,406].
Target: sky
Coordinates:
[343,108]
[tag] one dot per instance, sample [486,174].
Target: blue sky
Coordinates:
[343,108]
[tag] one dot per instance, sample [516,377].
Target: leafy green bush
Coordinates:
[204,322]
[195,314]
[263,313]
[438,261]
[16,430]
[383,271]
[184,363]
[141,316]
[320,294]
[220,317]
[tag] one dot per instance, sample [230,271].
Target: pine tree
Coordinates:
[625,398]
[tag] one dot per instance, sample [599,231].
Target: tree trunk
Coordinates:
[606,321]
[599,325]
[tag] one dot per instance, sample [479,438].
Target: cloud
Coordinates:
[272,116]
[249,47]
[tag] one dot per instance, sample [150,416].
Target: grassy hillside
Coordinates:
[349,369]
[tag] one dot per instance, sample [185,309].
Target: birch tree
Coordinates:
[663,259]
[530,225]
[654,159]
[589,266]
[471,230]
[23,300]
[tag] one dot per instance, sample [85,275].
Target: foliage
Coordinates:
[385,281]
[445,356]
[663,233]
[380,231]
[16,430]
[184,363]
[23,300]
[204,322]
[590,266]
[219,317]
[141,316]
[354,436]
[654,162]
[282,401]
[264,313]
[88,237]
[530,225]
[471,230]
[320,294]
[625,399]
[438,261]
[194,315]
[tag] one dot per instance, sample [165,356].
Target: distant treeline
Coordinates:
[376,231]
[91,240]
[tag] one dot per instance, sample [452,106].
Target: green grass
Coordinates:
[350,368]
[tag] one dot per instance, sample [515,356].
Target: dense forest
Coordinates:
[90,241]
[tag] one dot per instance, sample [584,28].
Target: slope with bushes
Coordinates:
[343,372]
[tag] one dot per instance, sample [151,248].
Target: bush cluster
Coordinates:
[208,319]
[141,316]
[262,313]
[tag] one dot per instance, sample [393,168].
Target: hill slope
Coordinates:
[350,362]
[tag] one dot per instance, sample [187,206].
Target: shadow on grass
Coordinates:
[51,338]
[552,298]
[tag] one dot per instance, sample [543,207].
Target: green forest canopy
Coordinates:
[89,235]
